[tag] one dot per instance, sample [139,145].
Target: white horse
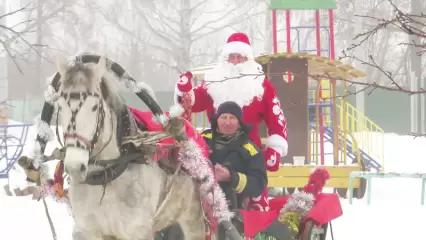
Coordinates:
[142,200]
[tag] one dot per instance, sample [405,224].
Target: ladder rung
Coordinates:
[313,50]
[298,27]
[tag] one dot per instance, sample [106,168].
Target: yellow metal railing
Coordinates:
[356,150]
[369,135]
[342,152]
[351,124]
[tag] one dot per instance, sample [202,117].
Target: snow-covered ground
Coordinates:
[395,211]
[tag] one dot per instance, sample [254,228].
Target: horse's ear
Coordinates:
[100,68]
[61,65]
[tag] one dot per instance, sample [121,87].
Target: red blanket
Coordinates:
[327,207]
[146,118]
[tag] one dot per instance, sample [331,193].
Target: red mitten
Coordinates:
[185,82]
[319,177]
[272,159]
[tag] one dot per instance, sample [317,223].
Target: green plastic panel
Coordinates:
[302,4]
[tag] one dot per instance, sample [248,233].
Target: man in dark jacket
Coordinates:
[238,163]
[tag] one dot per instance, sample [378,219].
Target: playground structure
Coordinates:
[316,83]
[12,142]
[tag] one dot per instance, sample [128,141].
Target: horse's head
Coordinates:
[88,108]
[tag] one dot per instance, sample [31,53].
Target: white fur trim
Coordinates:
[176,110]
[278,143]
[238,47]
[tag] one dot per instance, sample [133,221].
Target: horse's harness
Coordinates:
[71,131]
[113,168]
[126,126]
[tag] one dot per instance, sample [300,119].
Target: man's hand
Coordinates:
[185,82]
[222,173]
[272,159]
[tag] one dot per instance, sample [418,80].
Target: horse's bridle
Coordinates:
[126,154]
[71,131]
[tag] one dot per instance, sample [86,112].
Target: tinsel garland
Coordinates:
[213,199]
[299,204]
[48,190]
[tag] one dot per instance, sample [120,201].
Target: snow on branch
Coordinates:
[408,23]
[172,29]
[9,33]
[16,34]
[412,25]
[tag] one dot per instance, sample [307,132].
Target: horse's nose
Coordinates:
[76,163]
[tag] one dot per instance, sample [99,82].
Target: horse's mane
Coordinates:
[82,75]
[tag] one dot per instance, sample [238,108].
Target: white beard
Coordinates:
[239,89]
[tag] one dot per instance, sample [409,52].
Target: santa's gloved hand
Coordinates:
[185,84]
[272,159]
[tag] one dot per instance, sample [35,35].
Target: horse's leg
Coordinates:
[193,229]
[192,221]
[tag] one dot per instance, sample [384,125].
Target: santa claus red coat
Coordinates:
[245,84]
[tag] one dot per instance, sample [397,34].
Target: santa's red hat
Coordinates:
[238,43]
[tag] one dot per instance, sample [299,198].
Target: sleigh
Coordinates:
[257,225]
[267,225]
[260,225]
[271,225]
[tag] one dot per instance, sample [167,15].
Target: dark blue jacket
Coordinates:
[246,163]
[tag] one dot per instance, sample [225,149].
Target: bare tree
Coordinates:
[17,36]
[175,28]
[412,26]
[13,37]
[405,31]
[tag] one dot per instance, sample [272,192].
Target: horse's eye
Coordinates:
[94,108]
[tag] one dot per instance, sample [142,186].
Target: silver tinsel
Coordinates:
[300,203]
[198,166]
